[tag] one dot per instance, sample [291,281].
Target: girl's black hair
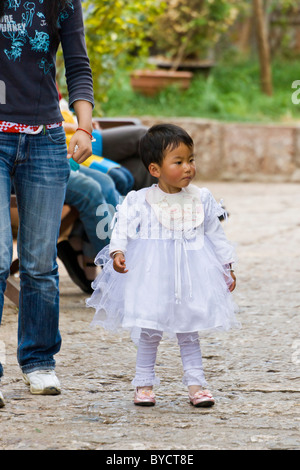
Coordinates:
[52,10]
[158,139]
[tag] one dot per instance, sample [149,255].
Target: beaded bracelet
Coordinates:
[87,132]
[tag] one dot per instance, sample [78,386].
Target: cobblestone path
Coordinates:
[253,373]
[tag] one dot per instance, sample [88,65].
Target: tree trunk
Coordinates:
[263,48]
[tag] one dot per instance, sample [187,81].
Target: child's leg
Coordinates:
[191,360]
[146,357]
[193,369]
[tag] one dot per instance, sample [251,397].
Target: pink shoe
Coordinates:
[144,397]
[202,398]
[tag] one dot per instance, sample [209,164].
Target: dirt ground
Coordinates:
[253,373]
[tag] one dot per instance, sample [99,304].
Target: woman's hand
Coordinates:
[80,147]
[119,263]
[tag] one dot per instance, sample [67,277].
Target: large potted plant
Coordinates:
[184,35]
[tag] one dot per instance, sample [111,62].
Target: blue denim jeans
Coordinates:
[121,176]
[123,179]
[94,195]
[37,167]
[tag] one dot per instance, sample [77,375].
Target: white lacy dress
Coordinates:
[176,254]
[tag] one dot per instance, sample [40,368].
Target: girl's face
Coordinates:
[177,170]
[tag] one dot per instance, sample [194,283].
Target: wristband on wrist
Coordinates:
[84,130]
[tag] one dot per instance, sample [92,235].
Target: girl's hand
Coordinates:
[119,263]
[233,284]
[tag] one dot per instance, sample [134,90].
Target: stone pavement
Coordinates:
[253,373]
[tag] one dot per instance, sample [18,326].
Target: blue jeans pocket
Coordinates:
[56,135]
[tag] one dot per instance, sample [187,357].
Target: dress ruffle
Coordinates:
[174,285]
[122,301]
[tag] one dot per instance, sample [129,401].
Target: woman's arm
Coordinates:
[79,79]
[77,65]
[80,147]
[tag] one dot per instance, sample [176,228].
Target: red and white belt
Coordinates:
[16,128]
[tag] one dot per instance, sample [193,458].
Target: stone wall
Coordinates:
[242,152]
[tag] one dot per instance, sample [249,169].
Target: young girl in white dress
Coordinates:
[168,268]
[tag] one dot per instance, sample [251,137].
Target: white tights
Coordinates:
[190,355]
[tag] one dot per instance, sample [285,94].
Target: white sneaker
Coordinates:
[42,382]
[2,402]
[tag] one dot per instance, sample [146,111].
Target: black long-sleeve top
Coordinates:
[28,93]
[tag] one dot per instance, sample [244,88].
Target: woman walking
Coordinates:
[33,161]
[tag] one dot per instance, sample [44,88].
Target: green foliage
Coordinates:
[120,32]
[231,93]
[190,28]
[117,36]
[283,5]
